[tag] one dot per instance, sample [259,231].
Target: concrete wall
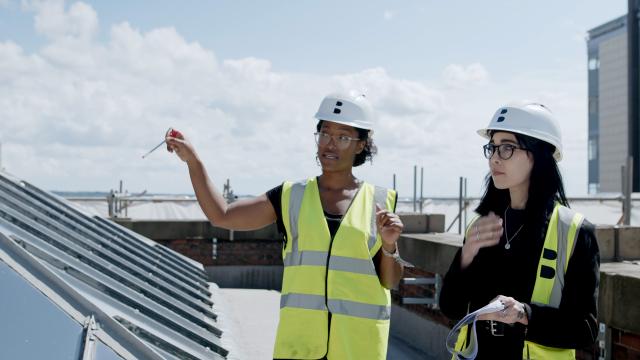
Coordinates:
[619,301]
[618,243]
[422,333]
[247,277]
[422,223]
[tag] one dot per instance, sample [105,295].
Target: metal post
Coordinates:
[394,181]
[460,207]
[627,185]
[110,204]
[466,203]
[623,191]
[421,187]
[119,201]
[415,185]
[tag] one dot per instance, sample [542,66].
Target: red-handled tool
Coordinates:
[173,133]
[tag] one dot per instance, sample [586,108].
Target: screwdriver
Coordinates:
[172,133]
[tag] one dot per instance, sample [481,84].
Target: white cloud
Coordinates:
[79,113]
[388,15]
[460,76]
[78,22]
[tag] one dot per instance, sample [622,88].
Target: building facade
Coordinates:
[608,105]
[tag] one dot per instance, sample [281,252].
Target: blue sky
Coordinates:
[410,39]
[89,86]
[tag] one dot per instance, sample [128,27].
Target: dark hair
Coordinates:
[545,186]
[370,149]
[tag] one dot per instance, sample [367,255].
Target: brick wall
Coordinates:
[257,252]
[624,345]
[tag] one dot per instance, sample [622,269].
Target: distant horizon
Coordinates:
[400,198]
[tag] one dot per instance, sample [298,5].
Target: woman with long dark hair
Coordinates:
[526,249]
[340,255]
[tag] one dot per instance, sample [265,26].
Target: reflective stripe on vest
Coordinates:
[380,198]
[344,307]
[295,202]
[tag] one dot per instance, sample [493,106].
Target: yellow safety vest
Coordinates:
[562,233]
[559,241]
[322,276]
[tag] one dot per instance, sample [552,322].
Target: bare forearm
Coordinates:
[390,272]
[246,214]
[211,201]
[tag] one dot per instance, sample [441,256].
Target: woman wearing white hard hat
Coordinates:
[340,254]
[526,249]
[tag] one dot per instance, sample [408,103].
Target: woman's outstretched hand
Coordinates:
[176,142]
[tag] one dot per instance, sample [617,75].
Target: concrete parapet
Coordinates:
[430,252]
[628,242]
[606,236]
[436,223]
[415,223]
[619,293]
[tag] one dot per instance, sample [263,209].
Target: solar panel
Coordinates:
[147,300]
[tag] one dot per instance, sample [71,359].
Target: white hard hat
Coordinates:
[352,110]
[527,118]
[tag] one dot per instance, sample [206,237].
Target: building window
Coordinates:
[593,149]
[593,105]
[594,63]
[593,188]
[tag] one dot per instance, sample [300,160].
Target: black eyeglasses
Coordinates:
[505,151]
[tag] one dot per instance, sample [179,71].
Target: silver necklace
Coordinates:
[506,234]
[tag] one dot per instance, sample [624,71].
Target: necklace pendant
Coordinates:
[507,246]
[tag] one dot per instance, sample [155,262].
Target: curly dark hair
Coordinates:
[370,149]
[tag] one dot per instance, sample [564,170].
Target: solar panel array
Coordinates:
[147,300]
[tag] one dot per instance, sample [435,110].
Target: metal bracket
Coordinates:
[436,281]
[90,340]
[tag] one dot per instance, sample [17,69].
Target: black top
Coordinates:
[498,271]
[275,197]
